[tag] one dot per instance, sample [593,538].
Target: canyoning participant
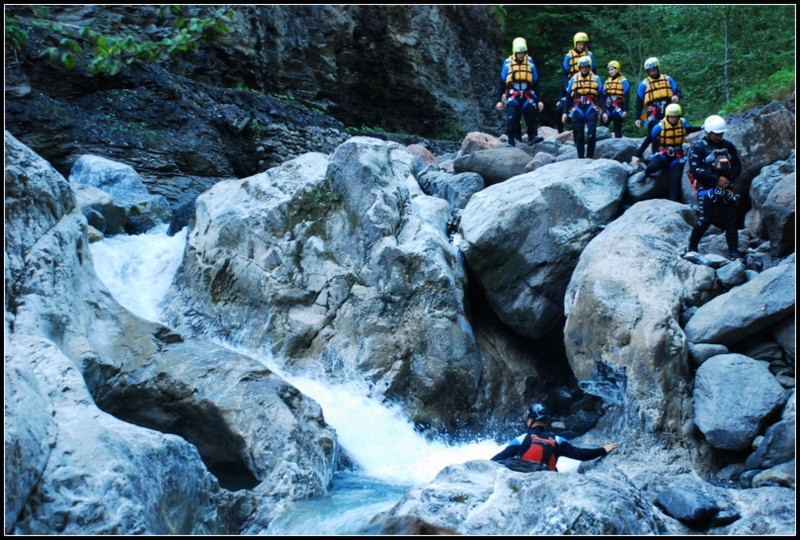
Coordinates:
[580,49]
[585,103]
[713,166]
[654,93]
[668,136]
[519,95]
[539,448]
[617,89]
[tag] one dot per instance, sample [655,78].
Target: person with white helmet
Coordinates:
[518,93]
[540,448]
[654,93]
[714,164]
[584,103]
[617,89]
[668,135]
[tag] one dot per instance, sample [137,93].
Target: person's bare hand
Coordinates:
[723,182]
[500,106]
[610,447]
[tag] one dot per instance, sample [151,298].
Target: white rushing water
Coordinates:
[138,269]
[392,456]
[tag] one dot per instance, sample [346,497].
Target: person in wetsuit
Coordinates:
[541,448]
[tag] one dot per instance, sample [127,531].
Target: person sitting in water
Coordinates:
[539,448]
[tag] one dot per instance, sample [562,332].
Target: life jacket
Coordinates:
[584,89]
[584,86]
[614,87]
[657,90]
[519,72]
[542,451]
[615,94]
[574,56]
[671,138]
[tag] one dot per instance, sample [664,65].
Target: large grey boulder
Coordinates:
[485,498]
[495,165]
[760,189]
[522,238]
[69,345]
[746,309]
[456,189]
[622,334]
[332,262]
[726,420]
[779,213]
[143,210]
[28,436]
[762,137]
[104,476]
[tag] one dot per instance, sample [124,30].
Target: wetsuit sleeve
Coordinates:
[691,129]
[736,163]
[501,82]
[601,94]
[507,452]
[653,135]
[698,167]
[568,97]
[511,450]
[640,99]
[675,89]
[581,454]
[565,70]
[535,86]
[626,91]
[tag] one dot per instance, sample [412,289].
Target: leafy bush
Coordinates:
[108,54]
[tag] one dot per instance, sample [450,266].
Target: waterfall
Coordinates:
[382,441]
[138,269]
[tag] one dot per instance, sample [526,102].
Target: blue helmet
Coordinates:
[537,411]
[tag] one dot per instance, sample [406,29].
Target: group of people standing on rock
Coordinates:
[713,162]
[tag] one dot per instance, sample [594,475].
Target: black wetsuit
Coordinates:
[519,446]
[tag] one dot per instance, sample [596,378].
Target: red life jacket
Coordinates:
[542,451]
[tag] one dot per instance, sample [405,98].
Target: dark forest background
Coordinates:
[725,58]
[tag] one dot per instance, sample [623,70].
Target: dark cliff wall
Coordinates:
[250,99]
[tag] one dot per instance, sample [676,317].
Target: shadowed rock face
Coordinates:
[283,81]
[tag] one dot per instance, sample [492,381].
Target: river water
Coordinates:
[390,455]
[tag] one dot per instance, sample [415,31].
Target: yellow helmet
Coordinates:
[673,109]
[614,64]
[519,45]
[651,63]
[585,60]
[580,36]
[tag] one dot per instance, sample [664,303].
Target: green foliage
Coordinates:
[15,35]
[367,129]
[256,127]
[776,85]
[312,206]
[720,55]
[108,54]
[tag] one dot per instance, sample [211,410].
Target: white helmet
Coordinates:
[714,124]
